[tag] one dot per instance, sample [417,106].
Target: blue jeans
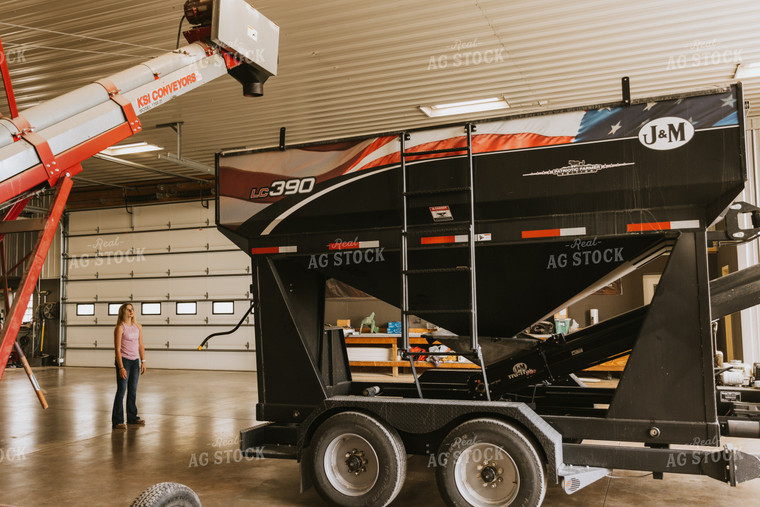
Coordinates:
[128,386]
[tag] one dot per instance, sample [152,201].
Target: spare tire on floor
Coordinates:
[167,494]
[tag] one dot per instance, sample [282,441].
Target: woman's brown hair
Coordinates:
[123,313]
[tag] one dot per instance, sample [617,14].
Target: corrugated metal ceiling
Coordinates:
[349,67]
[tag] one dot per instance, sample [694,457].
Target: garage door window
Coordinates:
[223,308]
[187,308]
[150,308]
[86,309]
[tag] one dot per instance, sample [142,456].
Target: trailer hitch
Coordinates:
[728,465]
[740,466]
[733,232]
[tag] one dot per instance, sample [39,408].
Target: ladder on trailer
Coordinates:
[464,229]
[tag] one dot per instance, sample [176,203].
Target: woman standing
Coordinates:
[130,362]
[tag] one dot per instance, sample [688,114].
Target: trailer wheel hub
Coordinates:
[356,462]
[490,474]
[351,464]
[485,474]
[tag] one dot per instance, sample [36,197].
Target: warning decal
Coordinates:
[441,213]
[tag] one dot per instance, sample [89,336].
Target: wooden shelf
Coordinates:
[614,365]
[390,341]
[421,365]
[417,364]
[381,340]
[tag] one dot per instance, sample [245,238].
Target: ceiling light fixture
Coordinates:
[469,106]
[747,70]
[126,149]
[192,164]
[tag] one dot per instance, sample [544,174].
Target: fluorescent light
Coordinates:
[747,70]
[125,149]
[192,164]
[470,106]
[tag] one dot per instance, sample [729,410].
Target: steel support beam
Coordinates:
[7,82]
[14,212]
[34,268]
[96,182]
[19,350]
[25,225]
[727,465]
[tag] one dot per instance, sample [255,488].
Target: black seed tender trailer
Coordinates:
[485,229]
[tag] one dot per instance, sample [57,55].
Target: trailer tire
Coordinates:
[357,460]
[167,494]
[489,462]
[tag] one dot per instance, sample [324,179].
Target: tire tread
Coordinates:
[501,427]
[165,494]
[396,447]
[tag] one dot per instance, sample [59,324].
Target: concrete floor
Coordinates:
[68,455]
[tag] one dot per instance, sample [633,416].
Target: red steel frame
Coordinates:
[32,271]
[7,82]
[19,350]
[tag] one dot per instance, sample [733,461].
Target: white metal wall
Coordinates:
[749,253]
[162,253]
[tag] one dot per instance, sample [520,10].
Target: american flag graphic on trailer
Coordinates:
[250,182]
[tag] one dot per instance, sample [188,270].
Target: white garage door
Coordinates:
[184,278]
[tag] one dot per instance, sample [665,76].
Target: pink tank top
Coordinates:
[130,342]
